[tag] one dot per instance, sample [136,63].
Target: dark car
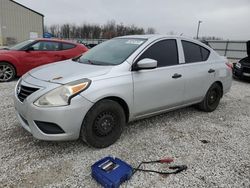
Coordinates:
[241,69]
[21,58]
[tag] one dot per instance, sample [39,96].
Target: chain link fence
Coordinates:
[231,49]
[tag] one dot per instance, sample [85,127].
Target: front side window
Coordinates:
[46,46]
[112,52]
[164,52]
[194,52]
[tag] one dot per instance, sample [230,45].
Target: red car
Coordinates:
[29,54]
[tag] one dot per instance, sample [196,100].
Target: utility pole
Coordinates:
[198,29]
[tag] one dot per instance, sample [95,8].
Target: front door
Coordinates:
[161,88]
[40,53]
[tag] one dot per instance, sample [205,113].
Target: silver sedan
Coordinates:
[121,80]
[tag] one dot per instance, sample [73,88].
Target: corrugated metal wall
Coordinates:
[18,22]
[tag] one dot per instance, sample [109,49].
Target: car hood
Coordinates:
[3,51]
[67,71]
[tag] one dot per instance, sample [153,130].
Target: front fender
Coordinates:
[121,87]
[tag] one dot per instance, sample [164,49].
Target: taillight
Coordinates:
[229,65]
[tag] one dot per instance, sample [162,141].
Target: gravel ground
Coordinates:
[224,161]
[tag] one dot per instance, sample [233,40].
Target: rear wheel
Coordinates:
[7,72]
[103,124]
[212,98]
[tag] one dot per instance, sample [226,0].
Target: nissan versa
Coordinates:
[120,80]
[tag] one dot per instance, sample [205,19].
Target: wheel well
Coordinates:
[122,103]
[220,84]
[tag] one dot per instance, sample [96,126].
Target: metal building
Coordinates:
[18,23]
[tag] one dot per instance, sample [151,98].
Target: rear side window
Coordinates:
[66,46]
[194,52]
[205,53]
[164,52]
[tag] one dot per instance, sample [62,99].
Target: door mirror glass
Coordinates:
[30,48]
[146,64]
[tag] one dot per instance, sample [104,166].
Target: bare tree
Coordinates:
[150,30]
[90,31]
[54,30]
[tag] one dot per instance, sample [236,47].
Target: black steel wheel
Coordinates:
[212,98]
[7,72]
[103,124]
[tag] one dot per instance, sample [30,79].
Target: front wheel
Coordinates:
[212,98]
[7,72]
[103,124]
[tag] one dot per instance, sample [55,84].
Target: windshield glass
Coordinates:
[19,46]
[112,52]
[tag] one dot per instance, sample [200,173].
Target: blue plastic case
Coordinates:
[111,172]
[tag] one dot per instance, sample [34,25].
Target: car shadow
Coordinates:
[241,80]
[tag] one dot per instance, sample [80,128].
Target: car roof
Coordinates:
[55,40]
[154,37]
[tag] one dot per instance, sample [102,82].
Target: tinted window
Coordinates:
[46,46]
[194,52]
[205,53]
[164,52]
[66,46]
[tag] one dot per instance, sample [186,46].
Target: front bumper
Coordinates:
[68,118]
[241,73]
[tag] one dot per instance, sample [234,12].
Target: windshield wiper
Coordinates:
[90,62]
[102,63]
[4,49]
[76,58]
[87,61]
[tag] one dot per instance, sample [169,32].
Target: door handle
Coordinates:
[176,75]
[211,70]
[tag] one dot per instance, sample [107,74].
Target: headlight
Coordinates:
[62,95]
[238,65]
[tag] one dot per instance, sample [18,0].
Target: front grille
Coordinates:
[246,69]
[23,92]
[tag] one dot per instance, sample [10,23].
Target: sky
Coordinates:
[228,19]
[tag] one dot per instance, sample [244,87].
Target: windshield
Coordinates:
[111,52]
[19,46]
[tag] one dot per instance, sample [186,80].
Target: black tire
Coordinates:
[7,72]
[212,98]
[103,124]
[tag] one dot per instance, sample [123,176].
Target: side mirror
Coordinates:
[145,64]
[29,49]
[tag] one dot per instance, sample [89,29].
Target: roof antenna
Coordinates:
[181,34]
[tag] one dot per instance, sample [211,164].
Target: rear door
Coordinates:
[158,89]
[67,51]
[199,73]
